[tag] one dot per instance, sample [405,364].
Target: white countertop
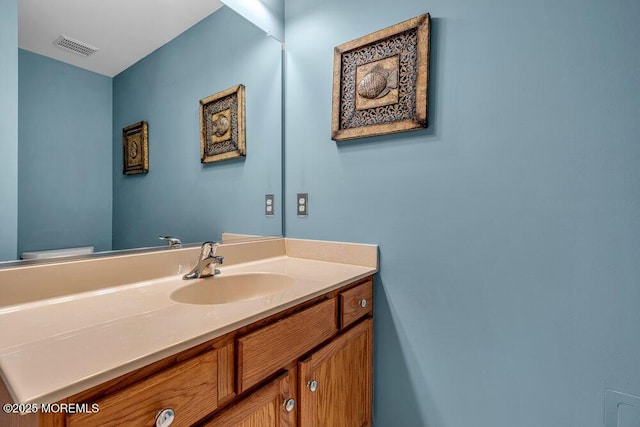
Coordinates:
[53,348]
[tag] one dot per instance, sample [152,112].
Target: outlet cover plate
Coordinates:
[269,204]
[302,204]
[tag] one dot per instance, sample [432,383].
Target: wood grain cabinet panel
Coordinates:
[264,407]
[190,388]
[336,381]
[266,350]
[226,373]
[356,303]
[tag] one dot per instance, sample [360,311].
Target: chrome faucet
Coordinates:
[173,242]
[204,268]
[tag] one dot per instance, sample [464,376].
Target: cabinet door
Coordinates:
[335,382]
[265,407]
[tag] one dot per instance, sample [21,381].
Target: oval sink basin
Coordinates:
[224,289]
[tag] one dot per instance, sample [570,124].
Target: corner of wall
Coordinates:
[9,129]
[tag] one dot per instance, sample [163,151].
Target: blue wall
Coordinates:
[509,229]
[8,129]
[268,15]
[180,196]
[64,156]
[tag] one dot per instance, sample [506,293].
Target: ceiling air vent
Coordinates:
[76,46]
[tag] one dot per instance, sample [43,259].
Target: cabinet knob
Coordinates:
[289,404]
[313,385]
[165,417]
[362,303]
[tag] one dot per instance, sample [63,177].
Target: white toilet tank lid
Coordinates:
[58,253]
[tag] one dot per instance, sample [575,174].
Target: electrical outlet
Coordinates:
[269,204]
[303,204]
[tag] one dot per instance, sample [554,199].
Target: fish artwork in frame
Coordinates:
[135,149]
[222,125]
[380,81]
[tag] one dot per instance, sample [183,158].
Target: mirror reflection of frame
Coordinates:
[222,125]
[135,149]
[94,204]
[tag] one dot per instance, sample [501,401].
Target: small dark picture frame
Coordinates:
[135,149]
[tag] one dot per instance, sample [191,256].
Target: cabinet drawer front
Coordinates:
[352,301]
[262,352]
[189,388]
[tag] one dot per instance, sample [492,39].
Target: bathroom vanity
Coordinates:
[301,355]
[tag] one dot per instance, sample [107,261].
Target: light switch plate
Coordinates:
[302,204]
[269,204]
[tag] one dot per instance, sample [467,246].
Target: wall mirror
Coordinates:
[71,188]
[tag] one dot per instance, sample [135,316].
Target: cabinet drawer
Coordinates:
[352,302]
[266,350]
[189,388]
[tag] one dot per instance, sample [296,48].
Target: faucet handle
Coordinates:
[208,250]
[206,263]
[173,242]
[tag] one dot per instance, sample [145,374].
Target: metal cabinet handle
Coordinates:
[313,385]
[289,404]
[362,303]
[165,417]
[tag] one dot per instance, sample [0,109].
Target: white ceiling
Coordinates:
[124,31]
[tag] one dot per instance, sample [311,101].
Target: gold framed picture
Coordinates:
[380,81]
[222,125]
[135,149]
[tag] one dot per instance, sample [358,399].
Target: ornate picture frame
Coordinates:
[380,81]
[135,149]
[222,125]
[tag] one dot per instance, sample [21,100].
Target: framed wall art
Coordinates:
[135,149]
[380,81]
[222,125]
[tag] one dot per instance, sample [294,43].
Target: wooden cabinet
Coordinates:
[272,405]
[264,351]
[336,381]
[355,303]
[309,365]
[190,389]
